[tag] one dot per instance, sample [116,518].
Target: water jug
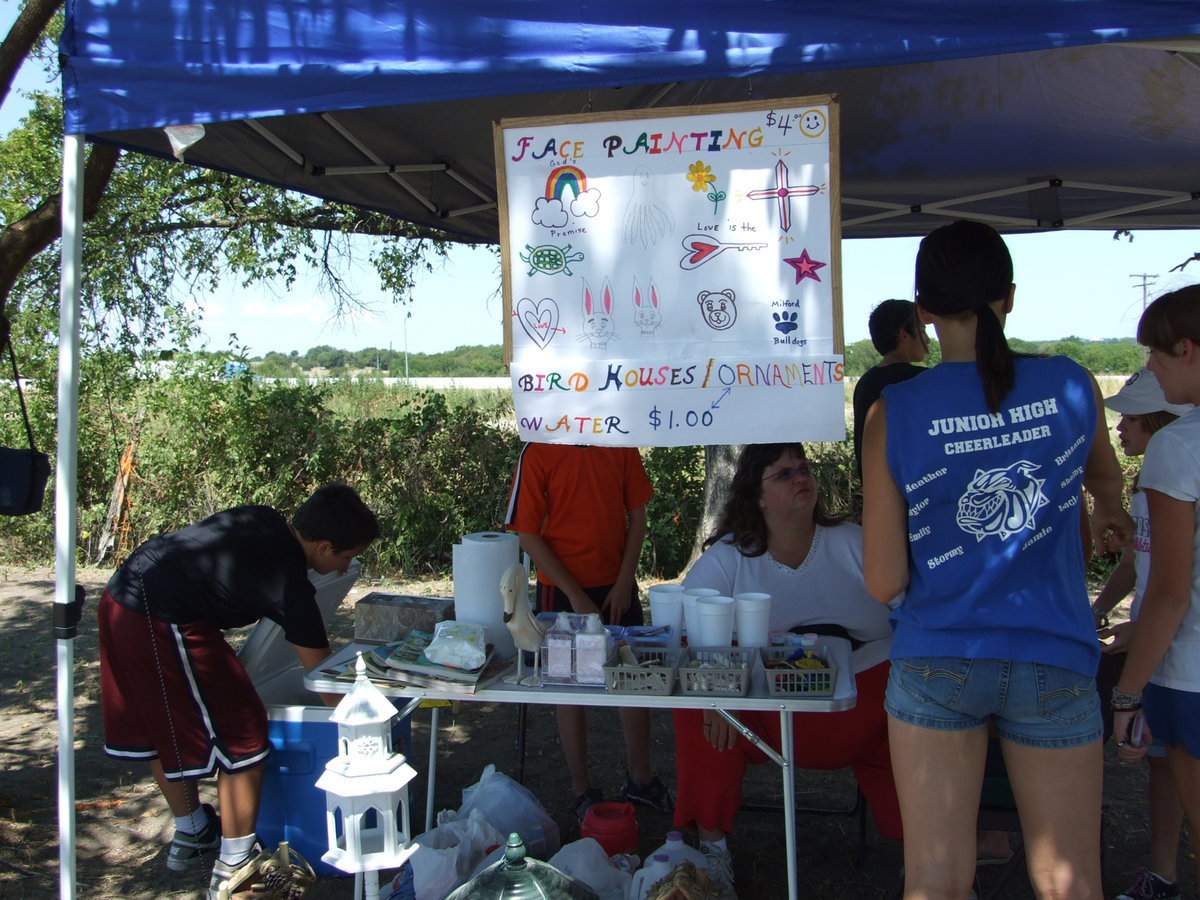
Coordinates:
[676,851]
[656,869]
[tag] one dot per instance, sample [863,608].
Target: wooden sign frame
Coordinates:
[673,276]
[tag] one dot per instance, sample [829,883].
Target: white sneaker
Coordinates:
[720,868]
[227,878]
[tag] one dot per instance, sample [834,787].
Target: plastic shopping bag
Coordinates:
[509,807]
[587,861]
[458,644]
[448,854]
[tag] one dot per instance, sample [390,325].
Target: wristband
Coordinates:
[1122,702]
[1097,611]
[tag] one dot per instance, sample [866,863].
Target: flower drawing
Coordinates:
[700,176]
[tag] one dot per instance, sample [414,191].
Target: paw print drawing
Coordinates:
[785,323]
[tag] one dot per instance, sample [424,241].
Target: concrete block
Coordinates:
[386,617]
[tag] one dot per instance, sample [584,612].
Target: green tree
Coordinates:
[860,356]
[277,365]
[160,235]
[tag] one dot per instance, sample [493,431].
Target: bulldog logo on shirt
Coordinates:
[1001,501]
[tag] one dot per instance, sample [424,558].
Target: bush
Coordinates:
[433,465]
[433,468]
[432,473]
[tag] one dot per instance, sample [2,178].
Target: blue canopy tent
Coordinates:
[1033,115]
[1064,114]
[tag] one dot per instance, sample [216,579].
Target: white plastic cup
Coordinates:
[752,614]
[691,619]
[716,621]
[666,608]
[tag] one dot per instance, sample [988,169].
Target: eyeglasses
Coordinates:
[791,473]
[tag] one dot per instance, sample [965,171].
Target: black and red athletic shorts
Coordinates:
[177,693]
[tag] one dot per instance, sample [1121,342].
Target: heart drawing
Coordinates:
[539,319]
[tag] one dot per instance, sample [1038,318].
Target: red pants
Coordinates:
[710,781]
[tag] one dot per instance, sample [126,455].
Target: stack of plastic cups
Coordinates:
[691,618]
[752,613]
[666,608]
[716,621]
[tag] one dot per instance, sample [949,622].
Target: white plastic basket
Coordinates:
[720,671]
[655,673]
[784,679]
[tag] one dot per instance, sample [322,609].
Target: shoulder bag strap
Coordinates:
[17,380]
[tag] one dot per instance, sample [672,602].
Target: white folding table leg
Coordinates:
[431,782]
[789,799]
[784,759]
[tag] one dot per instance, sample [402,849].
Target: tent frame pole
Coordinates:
[66,605]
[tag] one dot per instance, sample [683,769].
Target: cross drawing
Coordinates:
[784,192]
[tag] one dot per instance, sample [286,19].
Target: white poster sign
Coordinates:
[672,277]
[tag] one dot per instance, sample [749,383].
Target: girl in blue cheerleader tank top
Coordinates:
[973,477]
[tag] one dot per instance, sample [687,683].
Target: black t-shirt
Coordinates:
[231,569]
[867,391]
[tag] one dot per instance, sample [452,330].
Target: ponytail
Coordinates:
[993,358]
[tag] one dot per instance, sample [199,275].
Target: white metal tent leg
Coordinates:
[432,778]
[65,494]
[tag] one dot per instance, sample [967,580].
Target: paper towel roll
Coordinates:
[479,561]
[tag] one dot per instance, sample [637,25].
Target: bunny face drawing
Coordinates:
[597,327]
[645,310]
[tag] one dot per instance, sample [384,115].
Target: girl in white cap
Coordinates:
[1144,410]
[1161,677]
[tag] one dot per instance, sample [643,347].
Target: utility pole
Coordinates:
[406,318]
[1147,283]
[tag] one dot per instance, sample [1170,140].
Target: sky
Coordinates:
[1068,283]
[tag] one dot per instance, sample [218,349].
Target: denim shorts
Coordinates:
[1173,717]
[1034,704]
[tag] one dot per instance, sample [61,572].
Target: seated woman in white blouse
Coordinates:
[774,537]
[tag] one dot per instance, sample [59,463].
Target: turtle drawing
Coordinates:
[549,259]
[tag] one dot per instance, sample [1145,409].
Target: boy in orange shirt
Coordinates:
[581,514]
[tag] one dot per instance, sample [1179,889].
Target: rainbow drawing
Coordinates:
[564,178]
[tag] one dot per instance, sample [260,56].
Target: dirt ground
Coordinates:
[122,828]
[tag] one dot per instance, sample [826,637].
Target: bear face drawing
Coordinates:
[718,308]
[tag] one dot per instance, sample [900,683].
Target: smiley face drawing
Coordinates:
[813,123]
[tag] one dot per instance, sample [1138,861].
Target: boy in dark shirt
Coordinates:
[901,340]
[173,691]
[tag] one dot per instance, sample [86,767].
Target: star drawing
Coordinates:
[805,266]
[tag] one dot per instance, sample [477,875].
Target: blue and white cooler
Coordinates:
[302,735]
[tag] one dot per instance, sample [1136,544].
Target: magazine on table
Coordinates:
[403,662]
[408,655]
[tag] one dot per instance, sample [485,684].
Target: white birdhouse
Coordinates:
[366,785]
